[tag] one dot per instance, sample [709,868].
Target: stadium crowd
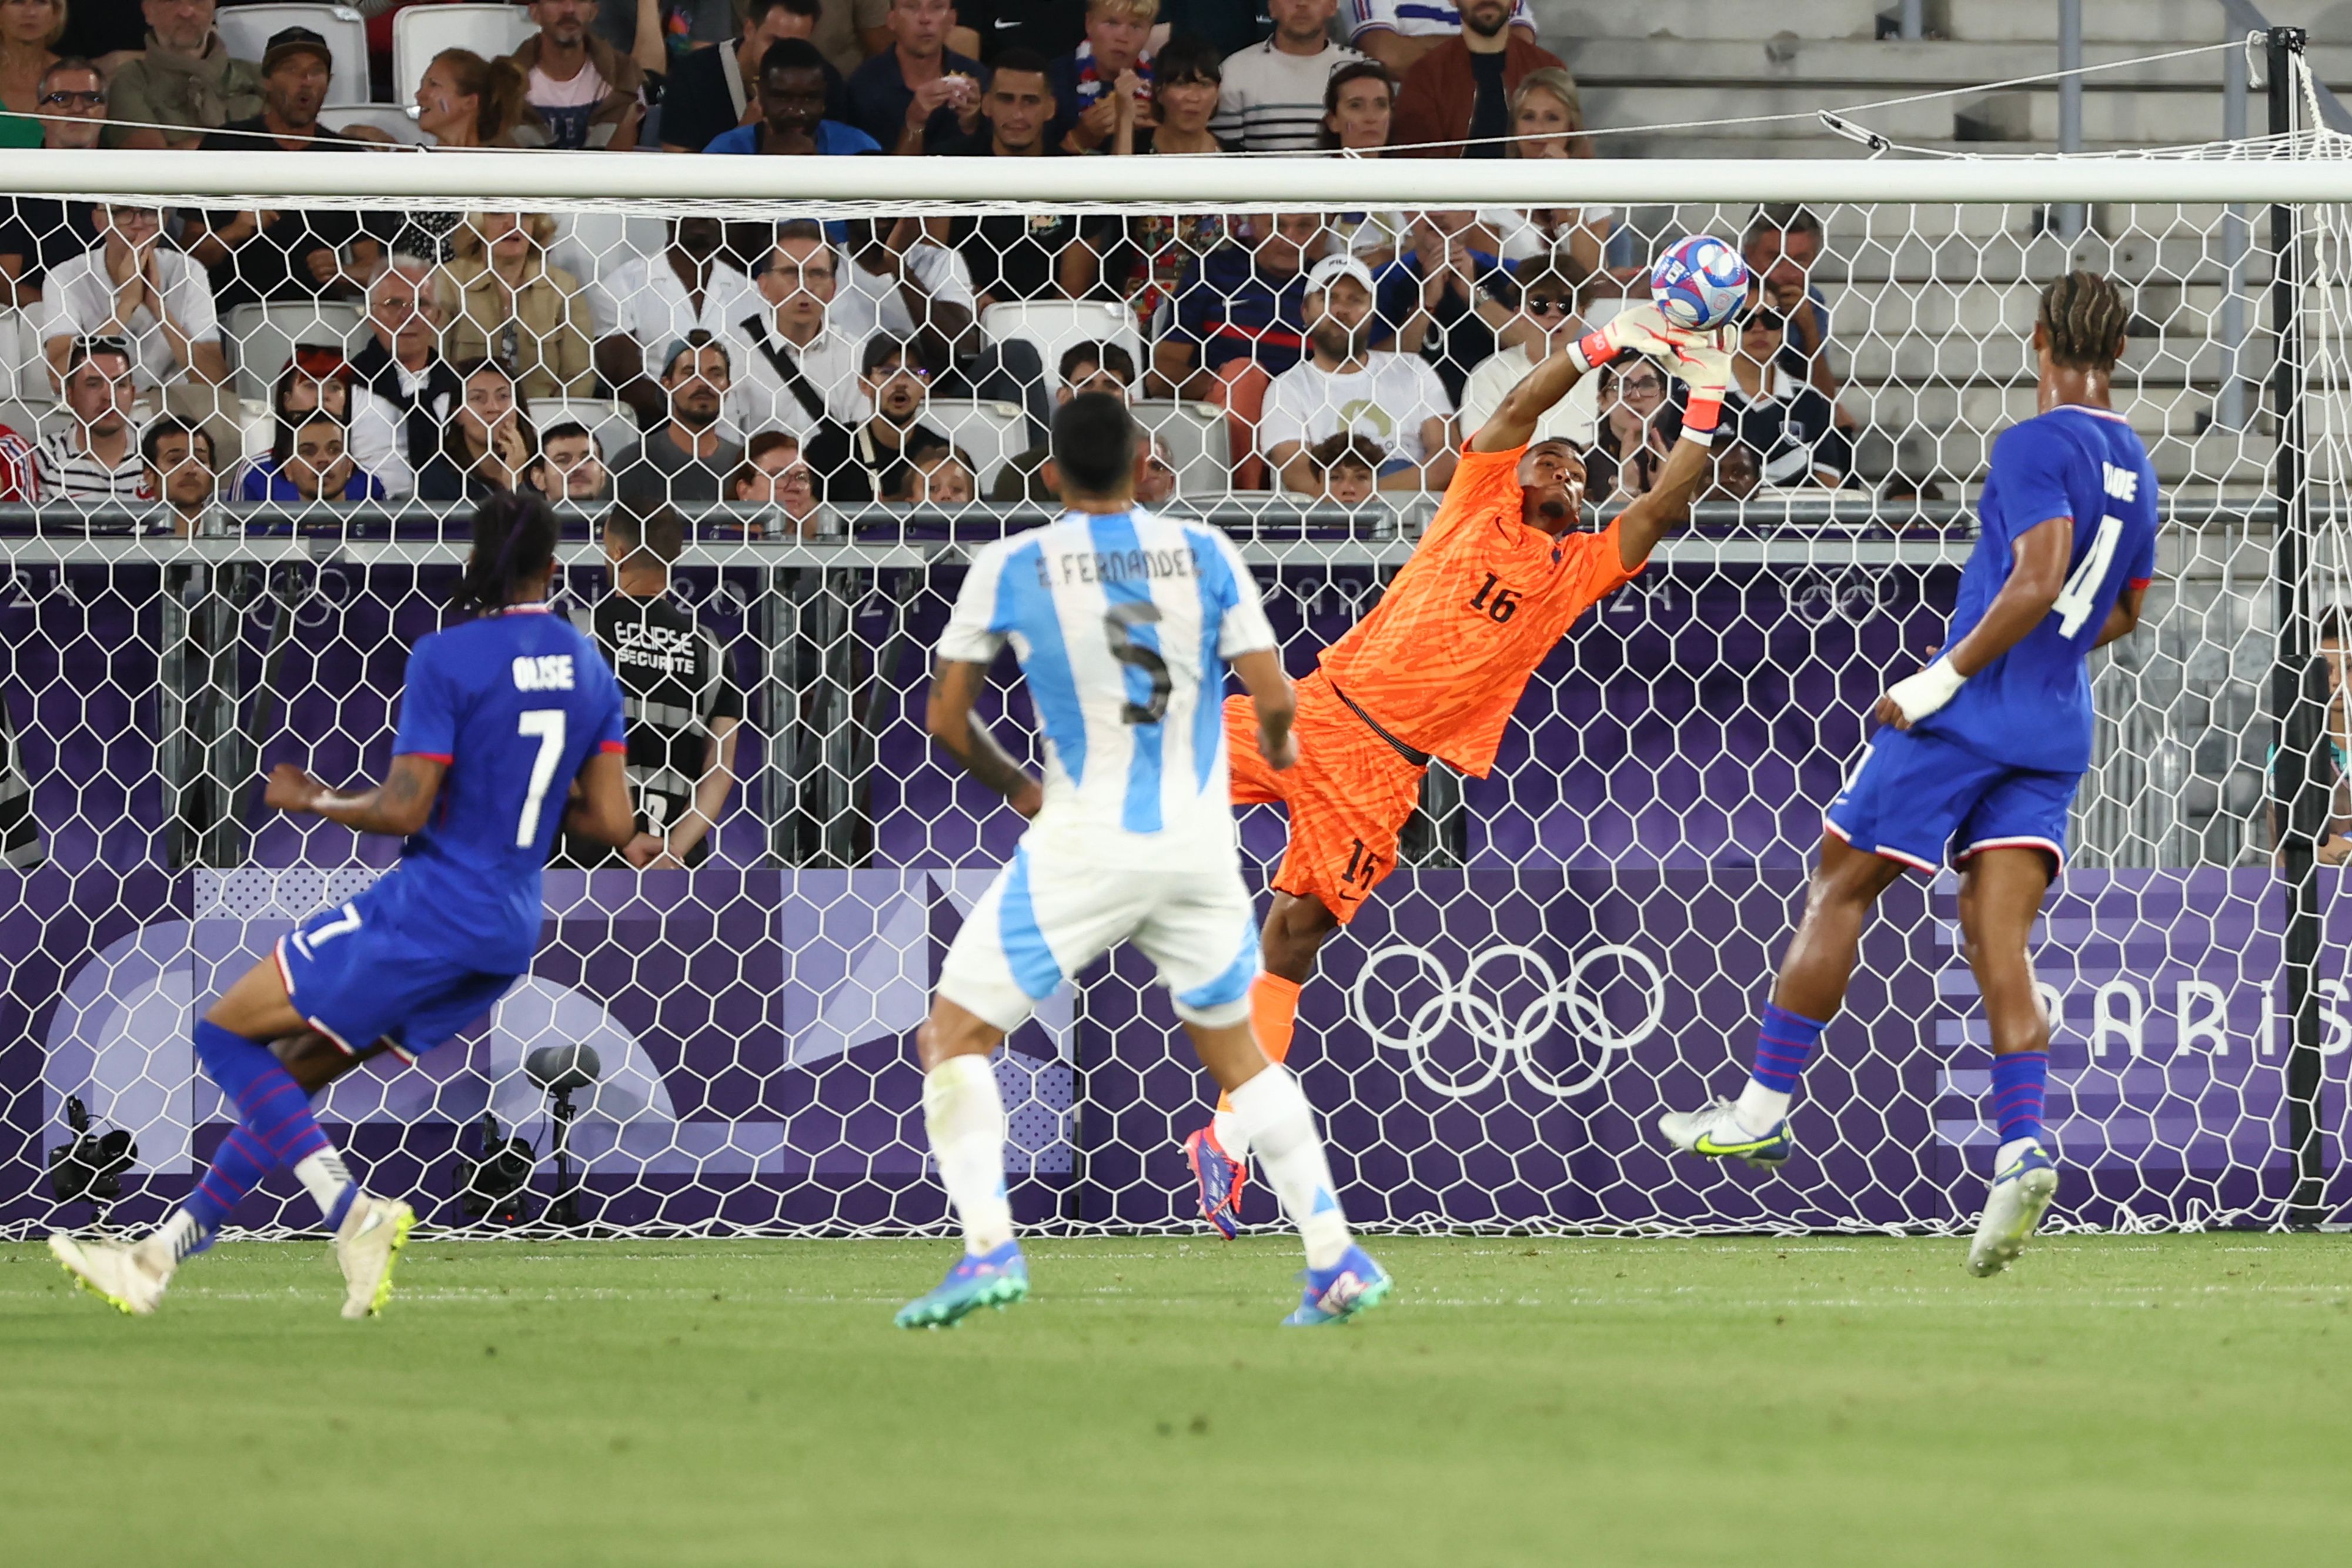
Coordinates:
[791,364]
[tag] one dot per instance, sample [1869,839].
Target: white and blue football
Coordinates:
[1699,283]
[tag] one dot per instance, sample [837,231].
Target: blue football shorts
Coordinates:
[358,979]
[1913,798]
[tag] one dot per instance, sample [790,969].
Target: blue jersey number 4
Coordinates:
[2072,606]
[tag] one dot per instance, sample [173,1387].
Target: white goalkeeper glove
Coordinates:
[1914,697]
[1701,360]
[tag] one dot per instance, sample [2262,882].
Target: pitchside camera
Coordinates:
[496,1186]
[91,1166]
[558,1070]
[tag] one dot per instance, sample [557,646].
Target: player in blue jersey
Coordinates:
[1124,624]
[509,728]
[1981,757]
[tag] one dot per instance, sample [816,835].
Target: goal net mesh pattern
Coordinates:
[1571,943]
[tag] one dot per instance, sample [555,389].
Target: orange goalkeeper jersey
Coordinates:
[1441,660]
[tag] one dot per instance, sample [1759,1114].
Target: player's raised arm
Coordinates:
[1702,362]
[1637,329]
[955,686]
[398,806]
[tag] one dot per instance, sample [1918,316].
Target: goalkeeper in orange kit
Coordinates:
[1436,668]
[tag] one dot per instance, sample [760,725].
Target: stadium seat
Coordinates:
[1198,441]
[610,422]
[421,32]
[262,338]
[590,245]
[990,434]
[16,353]
[246,29]
[1055,324]
[256,427]
[396,123]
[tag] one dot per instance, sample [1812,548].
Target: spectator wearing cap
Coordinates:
[1239,321]
[1273,92]
[30,31]
[1781,245]
[587,94]
[1545,323]
[185,80]
[317,467]
[863,463]
[180,472]
[792,120]
[774,475]
[94,459]
[503,300]
[1455,102]
[289,254]
[800,366]
[647,303]
[38,233]
[1399,32]
[715,89]
[1345,385]
[133,289]
[686,458]
[1084,368]
[918,96]
[1113,64]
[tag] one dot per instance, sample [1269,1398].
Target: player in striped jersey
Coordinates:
[1979,758]
[1124,624]
[1500,575]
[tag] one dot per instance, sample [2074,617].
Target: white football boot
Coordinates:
[2020,1196]
[1714,1131]
[122,1276]
[366,1247]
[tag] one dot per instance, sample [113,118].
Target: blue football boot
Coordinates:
[995,1279]
[1354,1284]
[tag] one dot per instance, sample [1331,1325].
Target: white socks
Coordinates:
[2010,1151]
[1274,1119]
[327,1180]
[1227,1125]
[1760,1107]
[173,1240]
[965,1114]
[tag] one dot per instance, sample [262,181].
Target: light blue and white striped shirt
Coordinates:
[1123,624]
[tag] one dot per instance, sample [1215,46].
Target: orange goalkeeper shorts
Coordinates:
[1349,796]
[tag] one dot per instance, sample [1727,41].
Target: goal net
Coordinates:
[249,428]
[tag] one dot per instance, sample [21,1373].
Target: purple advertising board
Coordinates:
[1488,1049]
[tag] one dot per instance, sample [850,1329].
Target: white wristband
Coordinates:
[1921,694]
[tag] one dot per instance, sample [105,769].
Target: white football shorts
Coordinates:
[1046,918]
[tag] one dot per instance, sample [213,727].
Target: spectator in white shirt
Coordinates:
[94,459]
[1343,385]
[1272,95]
[645,304]
[414,389]
[133,288]
[1397,33]
[799,368]
[1546,322]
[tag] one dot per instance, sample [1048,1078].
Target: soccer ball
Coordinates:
[1700,282]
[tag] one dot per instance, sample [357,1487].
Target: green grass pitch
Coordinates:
[2127,1400]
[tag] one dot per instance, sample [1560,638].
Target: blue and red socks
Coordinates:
[2020,1082]
[277,1129]
[1784,1043]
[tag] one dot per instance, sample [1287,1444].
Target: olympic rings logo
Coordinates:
[1480,1011]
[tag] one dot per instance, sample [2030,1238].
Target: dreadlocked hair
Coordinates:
[2085,316]
[514,541]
